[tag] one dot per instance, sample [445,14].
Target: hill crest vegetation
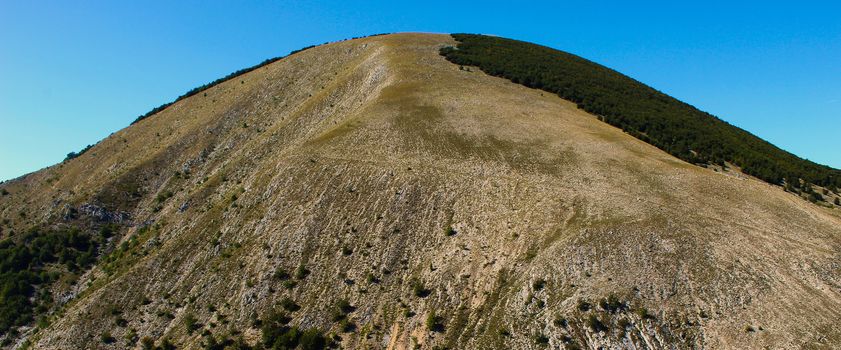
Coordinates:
[643,112]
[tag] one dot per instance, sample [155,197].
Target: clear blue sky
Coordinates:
[73,72]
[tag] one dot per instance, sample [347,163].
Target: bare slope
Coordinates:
[410,187]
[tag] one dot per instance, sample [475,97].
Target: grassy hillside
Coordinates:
[647,114]
[369,194]
[211,84]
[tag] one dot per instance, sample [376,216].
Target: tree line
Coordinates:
[641,111]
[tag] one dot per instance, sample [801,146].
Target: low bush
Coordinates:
[289,305]
[147,343]
[347,325]
[538,284]
[643,313]
[624,323]
[450,231]
[130,337]
[301,272]
[344,306]
[434,323]
[281,274]
[191,323]
[418,289]
[596,324]
[277,334]
[289,284]
[541,339]
[106,338]
[225,342]
[583,306]
[612,304]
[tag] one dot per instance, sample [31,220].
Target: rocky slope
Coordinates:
[447,207]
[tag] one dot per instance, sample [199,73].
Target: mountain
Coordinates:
[372,194]
[671,125]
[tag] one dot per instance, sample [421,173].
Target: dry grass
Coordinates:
[380,145]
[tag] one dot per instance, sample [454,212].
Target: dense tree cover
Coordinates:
[641,111]
[36,259]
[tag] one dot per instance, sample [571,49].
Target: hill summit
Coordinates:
[423,191]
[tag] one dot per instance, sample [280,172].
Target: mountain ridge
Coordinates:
[375,192]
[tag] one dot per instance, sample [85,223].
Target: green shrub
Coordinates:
[450,231]
[289,284]
[612,304]
[566,339]
[225,342]
[162,197]
[166,344]
[347,326]
[596,324]
[344,306]
[434,323]
[191,323]
[643,313]
[277,334]
[147,343]
[289,305]
[624,323]
[114,310]
[815,197]
[418,289]
[370,278]
[583,306]
[106,338]
[541,339]
[130,337]
[538,284]
[312,339]
[301,272]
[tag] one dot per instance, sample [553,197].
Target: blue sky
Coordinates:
[73,72]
